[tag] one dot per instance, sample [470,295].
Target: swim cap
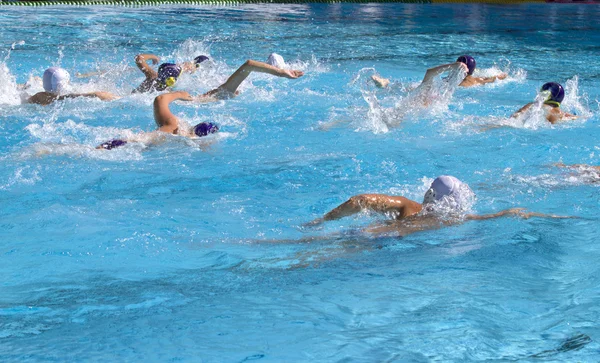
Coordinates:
[55,79]
[276,60]
[199,59]
[469,61]
[168,73]
[205,128]
[442,186]
[113,144]
[557,93]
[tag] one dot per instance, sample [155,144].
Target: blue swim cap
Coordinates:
[205,128]
[168,73]
[557,93]
[113,144]
[199,59]
[469,61]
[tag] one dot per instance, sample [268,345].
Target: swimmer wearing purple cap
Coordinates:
[468,81]
[166,122]
[167,73]
[412,214]
[554,95]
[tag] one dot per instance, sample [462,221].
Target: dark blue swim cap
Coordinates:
[469,61]
[205,128]
[168,73]
[113,144]
[199,59]
[557,93]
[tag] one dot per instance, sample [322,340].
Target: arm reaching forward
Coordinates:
[230,87]
[517,212]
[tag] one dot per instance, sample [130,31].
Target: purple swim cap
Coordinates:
[199,59]
[113,144]
[557,93]
[205,128]
[469,61]
[168,70]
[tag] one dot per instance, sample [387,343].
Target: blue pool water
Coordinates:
[194,252]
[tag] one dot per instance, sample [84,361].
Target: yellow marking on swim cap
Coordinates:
[170,82]
[554,103]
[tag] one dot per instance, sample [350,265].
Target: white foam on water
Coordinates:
[430,99]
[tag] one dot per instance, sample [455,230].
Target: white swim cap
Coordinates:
[442,186]
[56,79]
[276,60]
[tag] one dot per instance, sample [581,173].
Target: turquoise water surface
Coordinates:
[193,250]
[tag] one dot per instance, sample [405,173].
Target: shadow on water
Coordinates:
[573,343]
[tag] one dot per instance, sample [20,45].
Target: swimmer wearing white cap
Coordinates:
[404,209]
[468,81]
[56,81]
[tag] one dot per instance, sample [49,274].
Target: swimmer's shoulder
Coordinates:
[42,98]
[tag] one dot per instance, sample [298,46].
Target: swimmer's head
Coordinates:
[55,80]
[168,74]
[205,128]
[442,186]
[109,145]
[469,61]
[199,59]
[276,60]
[556,93]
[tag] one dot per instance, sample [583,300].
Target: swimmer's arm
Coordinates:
[521,110]
[484,80]
[166,121]
[233,82]
[103,96]
[436,71]
[573,166]
[380,203]
[140,61]
[517,212]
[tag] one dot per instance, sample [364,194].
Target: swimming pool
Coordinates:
[165,253]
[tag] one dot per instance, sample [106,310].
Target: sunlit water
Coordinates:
[194,251]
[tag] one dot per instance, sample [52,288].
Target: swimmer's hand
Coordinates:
[182,96]
[380,81]
[291,74]
[104,96]
[502,76]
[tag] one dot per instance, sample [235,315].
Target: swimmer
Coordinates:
[578,166]
[167,74]
[166,122]
[169,123]
[411,216]
[551,105]
[468,81]
[56,81]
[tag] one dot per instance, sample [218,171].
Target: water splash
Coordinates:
[575,103]
[9,93]
[427,99]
